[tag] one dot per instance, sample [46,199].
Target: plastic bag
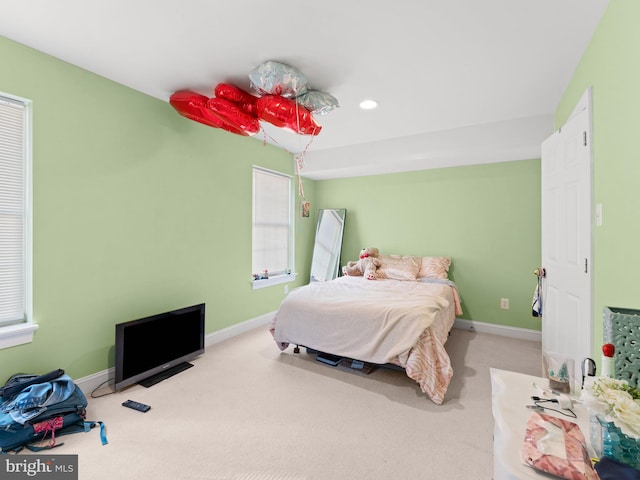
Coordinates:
[558,447]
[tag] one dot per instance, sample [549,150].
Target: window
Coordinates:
[16,326]
[272,237]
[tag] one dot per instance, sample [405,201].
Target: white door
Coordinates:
[567,325]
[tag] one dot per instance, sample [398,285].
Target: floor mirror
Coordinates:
[325,263]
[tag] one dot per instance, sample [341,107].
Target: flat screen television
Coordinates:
[154,348]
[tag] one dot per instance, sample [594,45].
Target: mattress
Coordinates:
[405,323]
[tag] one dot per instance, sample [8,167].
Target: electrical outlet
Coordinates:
[504,303]
[286,289]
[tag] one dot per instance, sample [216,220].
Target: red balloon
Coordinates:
[286,113]
[238,120]
[187,102]
[236,95]
[224,114]
[193,106]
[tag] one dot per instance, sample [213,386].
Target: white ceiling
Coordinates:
[457,81]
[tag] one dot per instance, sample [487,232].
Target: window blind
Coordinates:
[13,204]
[272,219]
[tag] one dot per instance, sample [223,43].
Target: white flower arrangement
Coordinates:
[614,401]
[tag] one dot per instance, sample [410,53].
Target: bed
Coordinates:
[401,318]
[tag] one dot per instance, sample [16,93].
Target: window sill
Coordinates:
[277,280]
[19,334]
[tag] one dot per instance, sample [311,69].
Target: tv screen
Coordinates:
[151,349]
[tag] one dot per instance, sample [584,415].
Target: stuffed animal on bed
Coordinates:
[366,266]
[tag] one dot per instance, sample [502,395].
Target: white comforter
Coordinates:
[377,321]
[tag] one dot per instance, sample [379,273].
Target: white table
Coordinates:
[511,392]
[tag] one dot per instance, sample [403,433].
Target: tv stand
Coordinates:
[169,372]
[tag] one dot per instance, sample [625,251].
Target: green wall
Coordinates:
[136,210]
[485,217]
[611,66]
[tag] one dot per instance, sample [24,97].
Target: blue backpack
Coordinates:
[34,409]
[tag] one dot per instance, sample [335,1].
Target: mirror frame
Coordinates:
[327,247]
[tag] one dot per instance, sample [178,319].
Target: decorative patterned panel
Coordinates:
[622,329]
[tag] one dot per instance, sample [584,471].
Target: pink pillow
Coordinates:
[434,267]
[398,267]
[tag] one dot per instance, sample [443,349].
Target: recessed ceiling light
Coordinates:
[368,104]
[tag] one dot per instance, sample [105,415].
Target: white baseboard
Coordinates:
[238,329]
[503,330]
[89,383]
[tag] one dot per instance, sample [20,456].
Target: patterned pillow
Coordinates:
[434,267]
[398,267]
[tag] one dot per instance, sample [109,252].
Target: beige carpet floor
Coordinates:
[247,411]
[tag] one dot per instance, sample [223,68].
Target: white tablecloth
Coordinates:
[511,392]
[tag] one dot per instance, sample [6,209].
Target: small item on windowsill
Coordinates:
[261,276]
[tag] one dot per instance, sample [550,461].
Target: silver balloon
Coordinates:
[318,103]
[274,78]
